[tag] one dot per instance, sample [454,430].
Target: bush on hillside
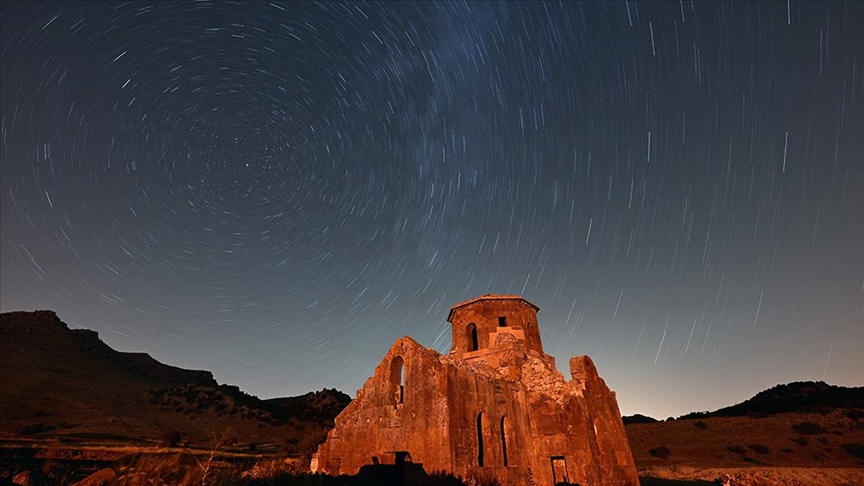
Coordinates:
[661,452]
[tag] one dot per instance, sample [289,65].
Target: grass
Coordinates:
[649,481]
[62,463]
[54,464]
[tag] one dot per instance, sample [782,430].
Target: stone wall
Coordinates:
[375,426]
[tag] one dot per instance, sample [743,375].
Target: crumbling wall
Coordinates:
[611,451]
[375,426]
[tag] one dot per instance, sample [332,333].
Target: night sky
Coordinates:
[277,192]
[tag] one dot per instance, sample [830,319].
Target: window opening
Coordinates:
[504,442]
[480,439]
[397,379]
[502,321]
[472,330]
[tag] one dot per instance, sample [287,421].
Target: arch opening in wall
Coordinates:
[504,441]
[397,379]
[480,439]
[528,334]
[473,342]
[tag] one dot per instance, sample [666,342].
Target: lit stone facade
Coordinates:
[495,409]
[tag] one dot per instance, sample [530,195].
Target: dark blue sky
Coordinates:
[278,191]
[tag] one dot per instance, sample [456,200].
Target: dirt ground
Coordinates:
[760,476]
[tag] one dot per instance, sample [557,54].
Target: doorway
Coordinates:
[559,470]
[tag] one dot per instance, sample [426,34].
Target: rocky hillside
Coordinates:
[56,381]
[319,407]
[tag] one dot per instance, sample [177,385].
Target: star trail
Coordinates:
[277,191]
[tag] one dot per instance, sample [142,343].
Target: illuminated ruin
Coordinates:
[494,409]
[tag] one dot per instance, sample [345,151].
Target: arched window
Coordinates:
[480,439]
[504,442]
[474,345]
[397,379]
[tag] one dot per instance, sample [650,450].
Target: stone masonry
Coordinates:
[496,409]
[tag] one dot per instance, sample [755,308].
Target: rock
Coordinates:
[30,478]
[99,478]
[495,409]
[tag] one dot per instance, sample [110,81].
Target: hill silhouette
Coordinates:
[638,419]
[796,397]
[57,381]
[60,383]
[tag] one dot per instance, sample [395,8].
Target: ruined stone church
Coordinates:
[495,409]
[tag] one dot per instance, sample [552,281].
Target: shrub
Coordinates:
[51,468]
[759,448]
[854,450]
[736,449]
[808,428]
[662,452]
[172,438]
[32,429]
[801,441]
[855,413]
[700,425]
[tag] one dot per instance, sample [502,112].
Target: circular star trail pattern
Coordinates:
[278,191]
